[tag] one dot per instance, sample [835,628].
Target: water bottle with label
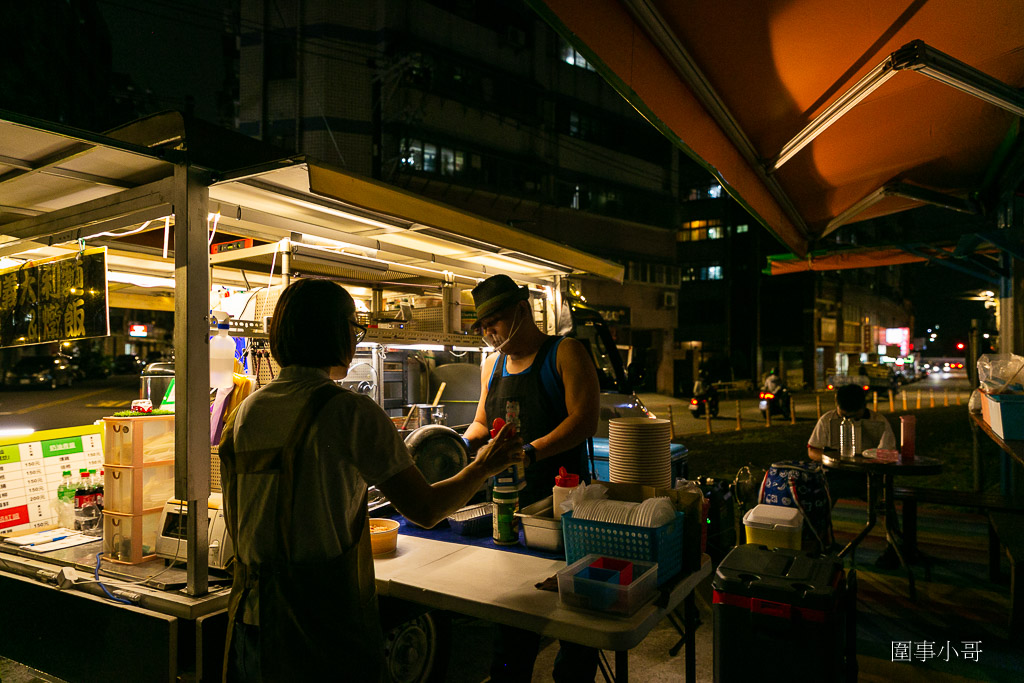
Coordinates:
[847,439]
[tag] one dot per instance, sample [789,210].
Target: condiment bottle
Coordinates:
[505,500]
[565,484]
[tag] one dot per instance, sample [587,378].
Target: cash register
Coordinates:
[171,541]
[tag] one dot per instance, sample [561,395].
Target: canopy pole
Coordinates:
[192,367]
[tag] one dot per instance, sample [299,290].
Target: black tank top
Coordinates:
[535,404]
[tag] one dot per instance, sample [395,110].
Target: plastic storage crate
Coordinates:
[130,539]
[663,545]
[768,601]
[588,586]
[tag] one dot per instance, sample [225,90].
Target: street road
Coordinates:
[82,404]
[940,387]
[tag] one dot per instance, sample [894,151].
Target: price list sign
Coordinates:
[31,469]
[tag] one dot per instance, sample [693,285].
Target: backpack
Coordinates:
[801,484]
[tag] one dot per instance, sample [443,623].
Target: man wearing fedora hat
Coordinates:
[547,388]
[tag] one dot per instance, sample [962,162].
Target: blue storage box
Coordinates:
[1004,413]
[582,586]
[662,545]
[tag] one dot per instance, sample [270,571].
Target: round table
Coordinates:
[880,475]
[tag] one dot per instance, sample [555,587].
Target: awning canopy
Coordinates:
[59,185]
[816,113]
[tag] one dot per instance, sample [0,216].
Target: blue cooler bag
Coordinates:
[801,484]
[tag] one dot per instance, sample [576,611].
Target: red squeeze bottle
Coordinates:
[497,425]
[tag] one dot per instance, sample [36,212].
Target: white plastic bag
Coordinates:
[999,370]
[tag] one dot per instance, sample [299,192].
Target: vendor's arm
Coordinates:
[427,504]
[582,401]
[479,431]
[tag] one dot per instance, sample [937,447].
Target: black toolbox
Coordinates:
[783,615]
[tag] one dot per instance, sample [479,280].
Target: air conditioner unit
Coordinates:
[669,299]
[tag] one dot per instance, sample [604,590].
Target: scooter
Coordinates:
[777,402]
[706,400]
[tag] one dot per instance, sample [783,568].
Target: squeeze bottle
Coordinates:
[222,357]
[565,484]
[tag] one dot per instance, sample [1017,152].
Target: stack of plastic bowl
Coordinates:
[639,451]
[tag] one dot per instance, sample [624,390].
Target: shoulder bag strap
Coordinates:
[293,449]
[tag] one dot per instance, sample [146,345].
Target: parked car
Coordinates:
[40,371]
[128,364]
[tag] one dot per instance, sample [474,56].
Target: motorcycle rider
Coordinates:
[706,394]
[772,382]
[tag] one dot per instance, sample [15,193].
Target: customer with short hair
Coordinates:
[875,432]
[851,402]
[296,459]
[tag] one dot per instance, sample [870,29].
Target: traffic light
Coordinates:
[959,346]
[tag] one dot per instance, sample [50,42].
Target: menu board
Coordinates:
[31,468]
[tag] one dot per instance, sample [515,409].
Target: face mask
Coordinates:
[497,342]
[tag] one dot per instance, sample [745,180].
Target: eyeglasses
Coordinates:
[360,330]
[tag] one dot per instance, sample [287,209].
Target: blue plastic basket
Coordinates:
[663,544]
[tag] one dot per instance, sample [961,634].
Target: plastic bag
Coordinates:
[582,493]
[1001,373]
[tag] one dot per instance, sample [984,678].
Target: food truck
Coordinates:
[149,216]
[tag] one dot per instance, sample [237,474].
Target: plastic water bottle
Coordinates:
[222,358]
[66,501]
[847,439]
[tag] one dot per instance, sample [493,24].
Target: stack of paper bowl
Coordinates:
[639,451]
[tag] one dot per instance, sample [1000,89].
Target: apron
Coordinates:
[524,401]
[319,620]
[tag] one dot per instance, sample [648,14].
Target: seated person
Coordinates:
[851,402]
[875,432]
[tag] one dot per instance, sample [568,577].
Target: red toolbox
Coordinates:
[782,615]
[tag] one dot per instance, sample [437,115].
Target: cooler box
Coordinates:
[780,615]
[1004,413]
[774,526]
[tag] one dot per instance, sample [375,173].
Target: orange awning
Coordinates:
[784,264]
[733,83]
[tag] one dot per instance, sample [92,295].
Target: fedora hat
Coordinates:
[494,294]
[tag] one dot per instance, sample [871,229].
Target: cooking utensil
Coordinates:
[412,409]
[437,397]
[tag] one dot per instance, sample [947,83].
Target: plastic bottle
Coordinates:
[565,484]
[86,513]
[99,492]
[66,501]
[222,357]
[847,439]
[505,523]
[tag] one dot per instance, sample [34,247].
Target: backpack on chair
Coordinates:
[801,484]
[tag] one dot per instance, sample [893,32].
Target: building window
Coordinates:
[715,272]
[653,273]
[742,228]
[713,191]
[716,233]
[571,56]
[429,157]
[412,154]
